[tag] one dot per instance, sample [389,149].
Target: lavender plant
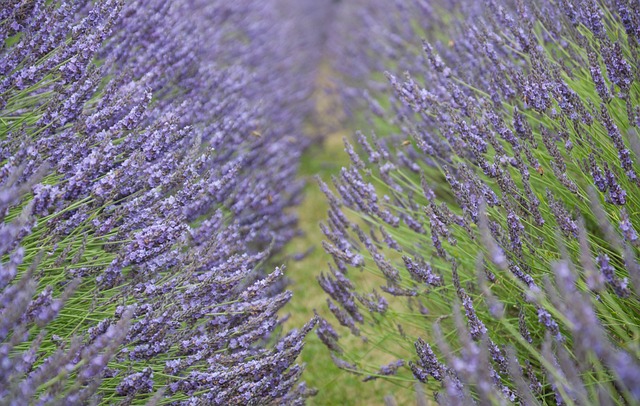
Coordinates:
[145,180]
[495,211]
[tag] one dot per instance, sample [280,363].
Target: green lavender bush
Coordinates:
[147,156]
[495,212]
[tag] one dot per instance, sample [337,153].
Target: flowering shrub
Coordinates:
[496,211]
[147,151]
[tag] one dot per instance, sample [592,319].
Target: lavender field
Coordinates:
[288,202]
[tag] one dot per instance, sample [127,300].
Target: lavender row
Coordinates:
[149,152]
[494,208]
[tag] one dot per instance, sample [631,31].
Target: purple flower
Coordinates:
[139,382]
[421,271]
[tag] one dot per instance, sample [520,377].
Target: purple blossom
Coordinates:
[421,271]
[139,382]
[428,364]
[609,273]
[628,231]
[618,69]
[616,194]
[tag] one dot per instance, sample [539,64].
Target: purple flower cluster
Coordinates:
[148,156]
[505,171]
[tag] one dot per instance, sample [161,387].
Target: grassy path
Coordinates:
[336,387]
